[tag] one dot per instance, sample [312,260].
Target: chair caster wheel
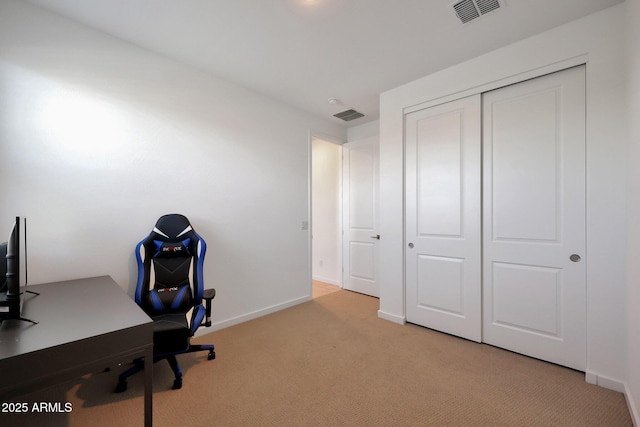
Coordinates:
[177,384]
[122,386]
[212,355]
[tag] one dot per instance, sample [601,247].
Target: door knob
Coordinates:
[575,258]
[377,237]
[410,245]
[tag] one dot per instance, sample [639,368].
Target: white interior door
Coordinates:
[534,218]
[443,267]
[360,216]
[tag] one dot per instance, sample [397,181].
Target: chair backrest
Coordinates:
[3,266]
[170,263]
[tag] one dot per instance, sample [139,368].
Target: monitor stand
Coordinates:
[24,319]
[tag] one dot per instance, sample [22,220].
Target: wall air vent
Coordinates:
[349,115]
[468,10]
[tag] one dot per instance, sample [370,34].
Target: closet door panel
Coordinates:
[534,287]
[443,218]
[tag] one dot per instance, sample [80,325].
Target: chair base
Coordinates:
[138,365]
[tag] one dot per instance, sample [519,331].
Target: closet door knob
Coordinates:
[575,258]
[410,245]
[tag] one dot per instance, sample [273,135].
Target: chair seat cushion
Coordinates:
[170,333]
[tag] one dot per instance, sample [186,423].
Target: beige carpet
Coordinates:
[332,362]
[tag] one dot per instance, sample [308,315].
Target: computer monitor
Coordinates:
[10,296]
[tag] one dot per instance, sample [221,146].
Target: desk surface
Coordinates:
[84,325]
[69,311]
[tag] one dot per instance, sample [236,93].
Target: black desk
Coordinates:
[85,326]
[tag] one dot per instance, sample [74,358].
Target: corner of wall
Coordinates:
[604,381]
[391,317]
[633,409]
[367,130]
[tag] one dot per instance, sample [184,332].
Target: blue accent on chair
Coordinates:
[177,302]
[200,251]
[198,315]
[141,274]
[155,301]
[174,253]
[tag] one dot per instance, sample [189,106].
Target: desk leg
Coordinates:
[148,387]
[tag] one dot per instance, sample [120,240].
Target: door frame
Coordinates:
[309,222]
[477,91]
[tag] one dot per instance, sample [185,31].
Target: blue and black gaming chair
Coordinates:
[170,290]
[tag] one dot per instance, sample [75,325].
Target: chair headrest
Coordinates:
[173,227]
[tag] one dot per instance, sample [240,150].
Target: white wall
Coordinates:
[598,40]
[364,131]
[633,209]
[326,211]
[98,138]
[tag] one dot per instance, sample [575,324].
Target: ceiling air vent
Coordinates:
[349,115]
[468,10]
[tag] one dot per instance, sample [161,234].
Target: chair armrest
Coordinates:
[208,295]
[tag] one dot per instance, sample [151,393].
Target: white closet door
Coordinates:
[443,288]
[534,218]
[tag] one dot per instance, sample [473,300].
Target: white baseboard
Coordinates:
[605,382]
[327,280]
[216,326]
[619,386]
[391,317]
[633,409]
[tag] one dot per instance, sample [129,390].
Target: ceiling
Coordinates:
[303,52]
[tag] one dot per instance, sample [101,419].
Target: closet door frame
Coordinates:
[409,276]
